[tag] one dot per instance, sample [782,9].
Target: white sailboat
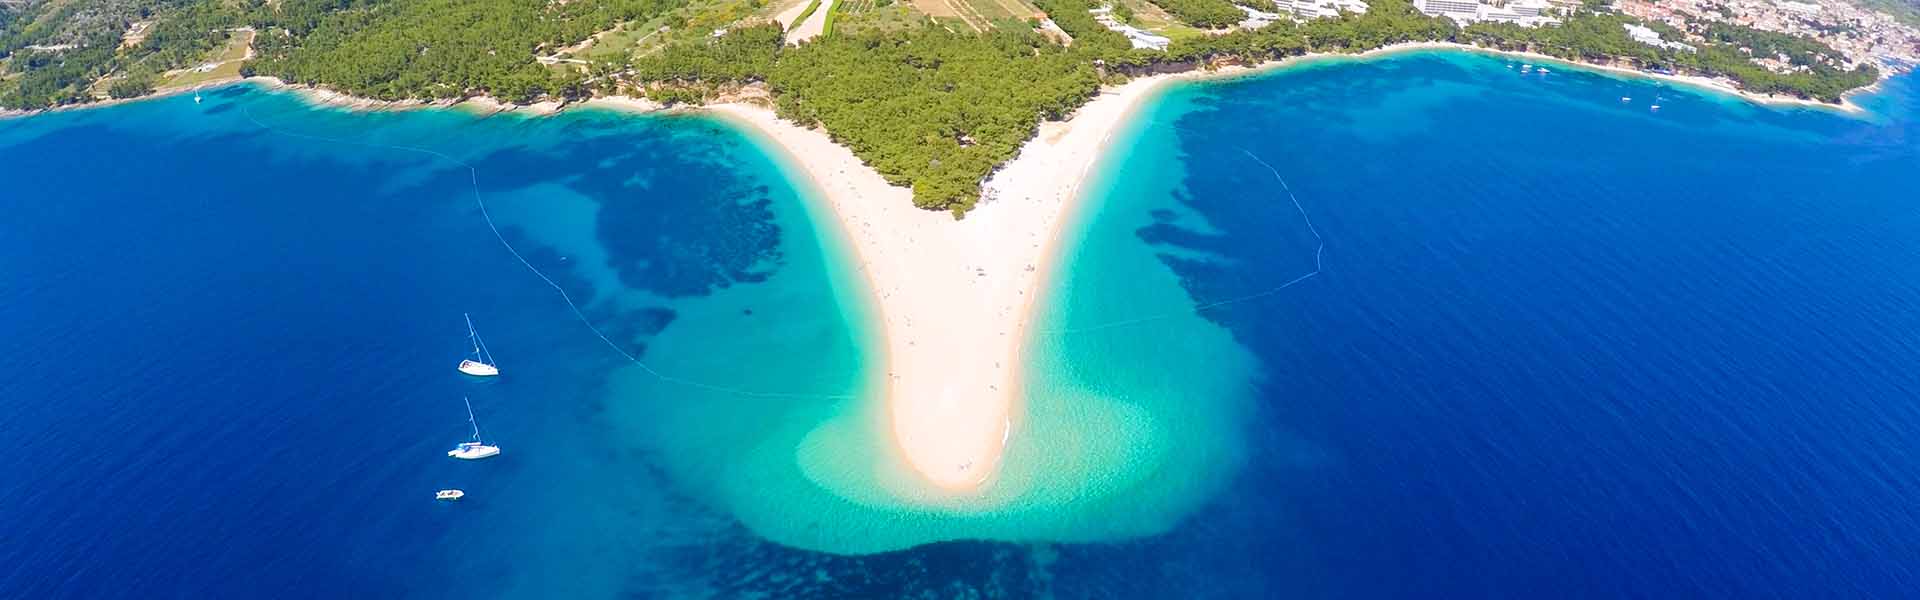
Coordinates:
[481,364]
[475,449]
[449,495]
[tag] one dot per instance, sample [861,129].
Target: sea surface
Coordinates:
[1417,326]
[1552,341]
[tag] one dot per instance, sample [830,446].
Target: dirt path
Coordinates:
[814,24]
[787,16]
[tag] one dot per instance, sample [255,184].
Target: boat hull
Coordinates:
[478,369]
[474,452]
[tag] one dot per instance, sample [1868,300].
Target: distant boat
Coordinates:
[481,364]
[1543,70]
[474,450]
[1625,99]
[449,495]
[196,98]
[1654,107]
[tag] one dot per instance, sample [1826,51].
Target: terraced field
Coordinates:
[856,16]
[979,15]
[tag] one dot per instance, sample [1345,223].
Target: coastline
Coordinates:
[484,104]
[14,113]
[955,297]
[325,98]
[968,293]
[1846,105]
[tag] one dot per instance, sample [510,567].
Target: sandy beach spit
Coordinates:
[955,296]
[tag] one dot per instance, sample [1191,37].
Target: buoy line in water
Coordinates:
[1319,252]
[473,179]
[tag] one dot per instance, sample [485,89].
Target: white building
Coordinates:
[1804,8]
[1256,18]
[1140,38]
[1642,34]
[1314,9]
[1652,38]
[1528,13]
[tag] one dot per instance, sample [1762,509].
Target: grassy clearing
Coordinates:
[861,16]
[619,45]
[686,23]
[946,10]
[996,10]
[635,39]
[1153,18]
[978,15]
[227,60]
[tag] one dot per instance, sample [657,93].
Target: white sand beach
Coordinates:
[955,296]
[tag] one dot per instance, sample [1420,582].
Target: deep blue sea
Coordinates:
[1560,344]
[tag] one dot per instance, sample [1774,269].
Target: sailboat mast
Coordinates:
[480,352]
[470,420]
[473,335]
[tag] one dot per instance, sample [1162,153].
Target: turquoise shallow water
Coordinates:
[242,317]
[1562,345]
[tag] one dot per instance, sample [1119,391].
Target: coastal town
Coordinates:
[1863,35]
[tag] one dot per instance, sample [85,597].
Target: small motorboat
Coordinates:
[449,495]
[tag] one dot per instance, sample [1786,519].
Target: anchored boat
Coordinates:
[476,449]
[481,363]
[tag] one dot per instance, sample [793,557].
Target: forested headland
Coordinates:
[927,105]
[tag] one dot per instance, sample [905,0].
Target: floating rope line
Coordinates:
[473,178]
[1319,252]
